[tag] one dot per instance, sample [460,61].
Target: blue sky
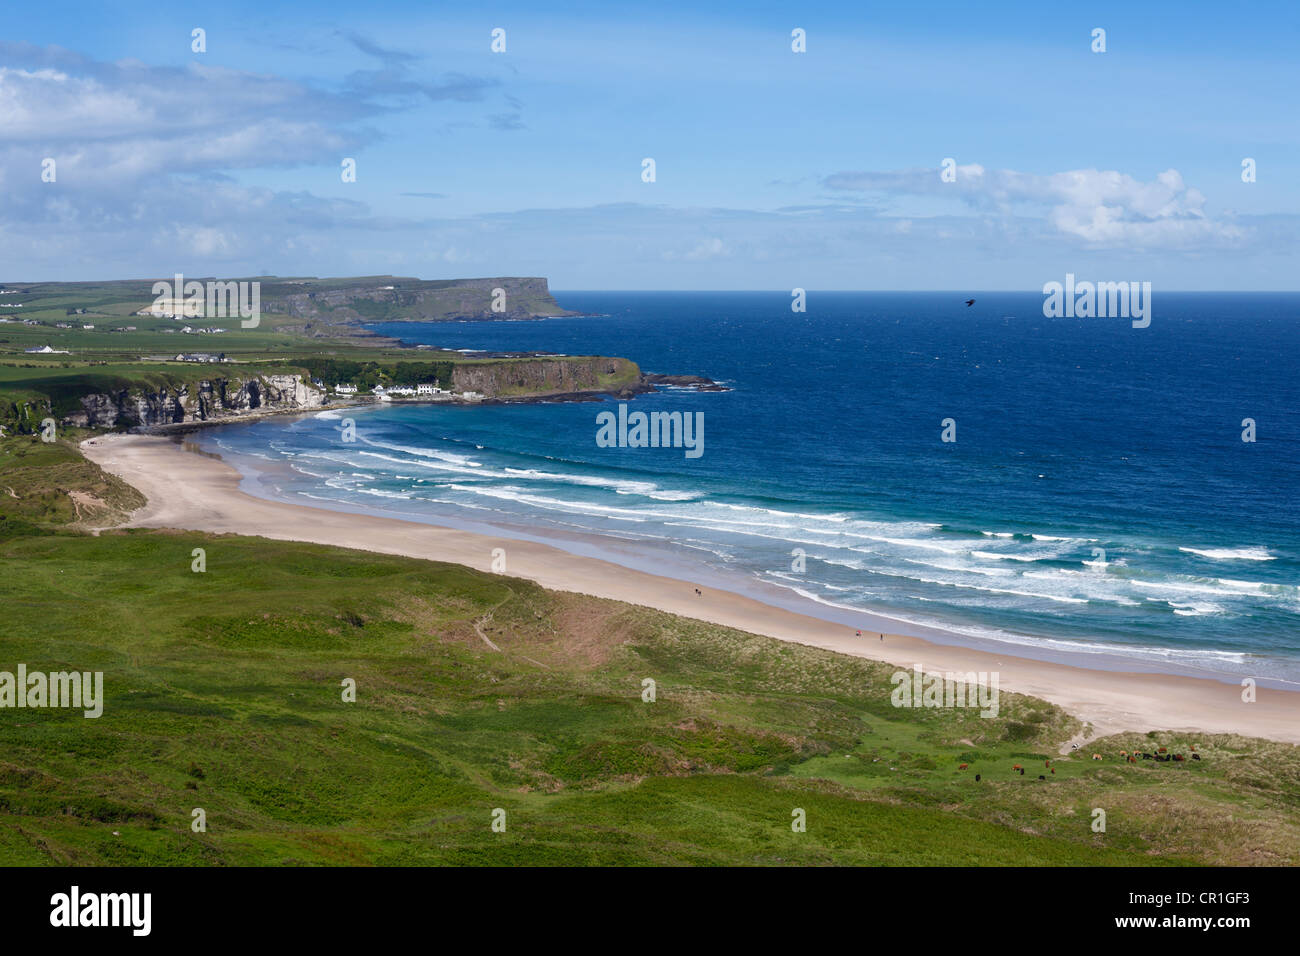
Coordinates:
[774,169]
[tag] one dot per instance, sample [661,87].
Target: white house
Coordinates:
[401,390]
[345,389]
[378,390]
[426,388]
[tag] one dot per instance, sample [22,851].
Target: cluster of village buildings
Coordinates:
[406,390]
[422,390]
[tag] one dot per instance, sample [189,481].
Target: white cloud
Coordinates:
[203,241]
[1097,206]
[707,249]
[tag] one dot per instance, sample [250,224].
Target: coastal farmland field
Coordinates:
[477,692]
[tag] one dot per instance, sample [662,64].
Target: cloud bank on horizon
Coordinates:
[937,152]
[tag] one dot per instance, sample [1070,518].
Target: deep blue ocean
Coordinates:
[1098,497]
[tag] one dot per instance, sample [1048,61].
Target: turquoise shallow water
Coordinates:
[1098,497]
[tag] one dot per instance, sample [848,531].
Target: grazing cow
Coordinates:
[1047,763]
[1041,777]
[1178,757]
[1163,750]
[977,778]
[1096,756]
[962,766]
[1196,756]
[1123,753]
[1017,767]
[1053,770]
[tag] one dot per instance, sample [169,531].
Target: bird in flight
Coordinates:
[969,303]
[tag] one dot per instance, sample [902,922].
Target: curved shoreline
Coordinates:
[643,556]
[202,493]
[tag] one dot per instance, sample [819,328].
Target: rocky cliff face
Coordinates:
[212,399]
[540,377]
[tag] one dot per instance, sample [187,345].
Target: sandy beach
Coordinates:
[200,492]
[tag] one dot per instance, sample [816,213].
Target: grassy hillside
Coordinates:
[48,488]
[321,309]
[478,691]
